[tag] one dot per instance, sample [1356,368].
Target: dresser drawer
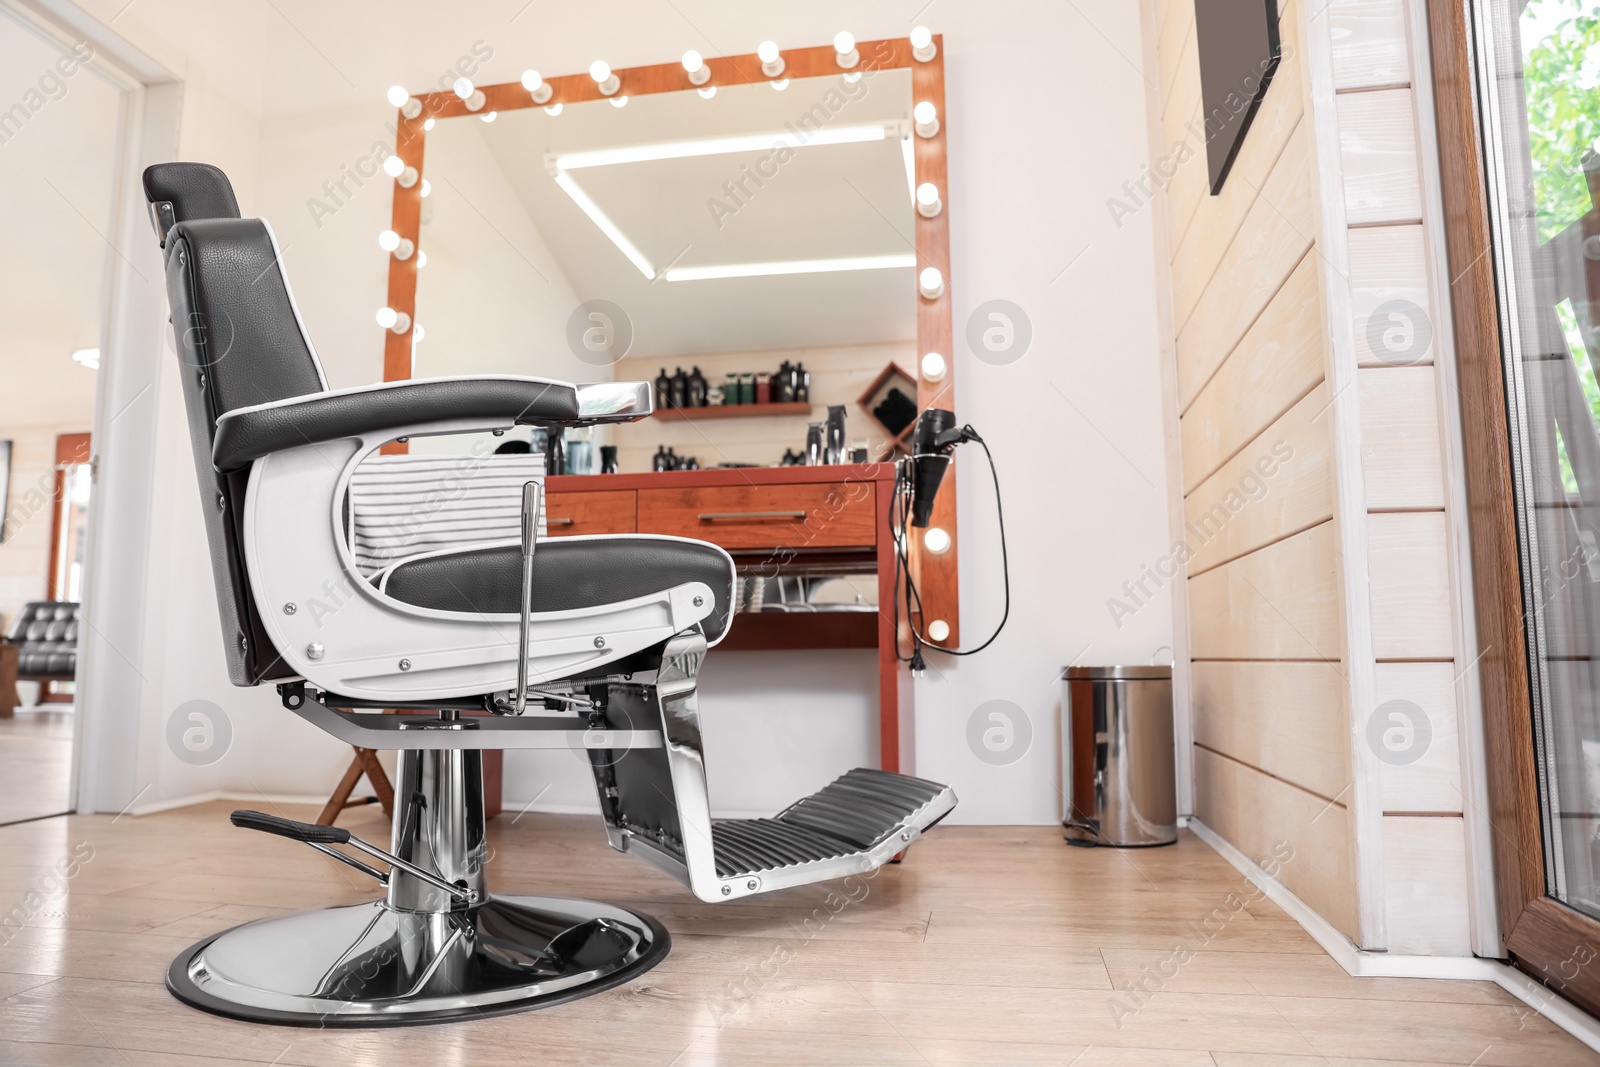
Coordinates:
[607,512]
[809,515]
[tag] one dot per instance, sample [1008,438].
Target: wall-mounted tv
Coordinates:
[1239,53]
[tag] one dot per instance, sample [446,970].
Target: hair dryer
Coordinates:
[935,437]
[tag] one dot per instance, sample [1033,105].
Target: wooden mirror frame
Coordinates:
[937,581]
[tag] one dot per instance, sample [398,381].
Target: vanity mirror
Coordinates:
[771,224]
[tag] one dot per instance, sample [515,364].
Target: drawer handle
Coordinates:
[557,522]
[713,516]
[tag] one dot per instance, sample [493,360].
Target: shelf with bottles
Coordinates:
[681,395]
[734,411]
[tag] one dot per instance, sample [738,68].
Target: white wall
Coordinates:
[1046,121]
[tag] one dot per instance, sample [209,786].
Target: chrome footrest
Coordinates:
[847,819]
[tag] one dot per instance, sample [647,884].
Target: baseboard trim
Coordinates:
[155,807]
[1361,964]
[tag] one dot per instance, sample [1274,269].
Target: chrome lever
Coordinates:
[322,837]
[530,538]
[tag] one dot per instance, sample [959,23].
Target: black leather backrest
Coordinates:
[239,343]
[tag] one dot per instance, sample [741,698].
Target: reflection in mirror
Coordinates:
[726,236]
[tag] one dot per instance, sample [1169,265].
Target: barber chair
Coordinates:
[592,643]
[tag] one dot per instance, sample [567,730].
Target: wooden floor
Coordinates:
[989,945]
[35,762]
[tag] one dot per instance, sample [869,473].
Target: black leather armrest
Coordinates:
[246,434]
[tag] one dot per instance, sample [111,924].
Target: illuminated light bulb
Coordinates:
[708,92]
[536,87]
[428,125]
[772,63]
[933,367]
[926,117]
[844,44]
[426,187]
[388,240]
[922,46]
[694,65]
[619,101]
[393,166]
[780,84]
[853,77]
[930,283]
[396,322]
[490,117]
[553,110]
[398,95]
[939,630]
[607,82]
[422,260]
[418,333]
[928,203]
[463,88]
[936,540]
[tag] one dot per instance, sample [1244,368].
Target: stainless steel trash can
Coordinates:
[1117,755]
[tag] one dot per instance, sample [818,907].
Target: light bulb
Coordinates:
[938,630]
[418,333]
[933,367]
[931,283]
[398,95]
[607,82]
[936,540]
[767,50]
[928,203]
[388,240]
[426,187]
[387,317]
[780,84]
[693,61]
[619,101]
[531,80]
[553,110]
[394,166]
[490,117]
[463,88]
[926,117]
[853,77]
[844,42]
[428,125]
[922,47]
[422,260]
[708,92]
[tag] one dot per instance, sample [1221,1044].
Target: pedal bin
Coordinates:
[1117,756]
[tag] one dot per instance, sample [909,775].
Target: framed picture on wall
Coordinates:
[5,485]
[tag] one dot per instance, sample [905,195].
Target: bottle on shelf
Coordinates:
[763,387]
[782,387]
[658,462]
[663,390]
[680,389]
[608,459]
[802,383]
[696,389]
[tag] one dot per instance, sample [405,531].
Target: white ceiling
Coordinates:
[827,201]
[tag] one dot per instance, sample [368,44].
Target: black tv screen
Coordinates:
[1239,53]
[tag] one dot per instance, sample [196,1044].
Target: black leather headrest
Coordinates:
[182,192]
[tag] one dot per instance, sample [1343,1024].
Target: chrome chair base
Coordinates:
[372,965]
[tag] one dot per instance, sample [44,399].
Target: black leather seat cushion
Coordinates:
[568,573]
[47,633]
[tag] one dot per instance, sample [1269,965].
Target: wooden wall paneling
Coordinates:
[1287,719]
[1219,217]
[1280,602]
[1279,484]
[1175,51]
[1278,362]
[1378,143]
[1401,448]
[1259,814]
[1410,586]
[1426,903]
[1389,274]
[1275,234]
[1431,783]
[1369,43]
